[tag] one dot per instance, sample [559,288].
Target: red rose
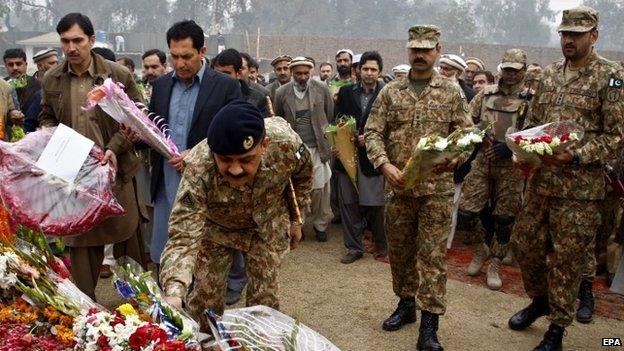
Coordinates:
[565,137]
[146,334]
[102,342]
[518,139]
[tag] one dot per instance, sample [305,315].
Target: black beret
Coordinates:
[236,129]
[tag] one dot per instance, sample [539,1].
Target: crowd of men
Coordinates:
[255,166]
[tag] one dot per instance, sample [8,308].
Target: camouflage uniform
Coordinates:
[211,220]
[418,220]
[502,107]
[565,200]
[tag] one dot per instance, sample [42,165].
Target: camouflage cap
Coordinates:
[423,37]
[514,58]
[533,73]
[579,19]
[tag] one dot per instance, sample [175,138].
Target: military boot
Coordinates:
[405,313]
[478,259]
[553,339]
[428,332]
[525,317]
[493,279]
[508,260]
[585,311]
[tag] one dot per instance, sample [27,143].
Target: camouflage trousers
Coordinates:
[505,182]
[417,230]
[569,225]
[262,264]
[597,251]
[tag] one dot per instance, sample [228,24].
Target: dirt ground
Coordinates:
[347,304]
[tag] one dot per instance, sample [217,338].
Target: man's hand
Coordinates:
[393,175]
[448,166]
[174,301]
[178,161]
[498,151]
[335,151]
[109,156]
[17,117]
[295,235]
[129,134]
[559,158]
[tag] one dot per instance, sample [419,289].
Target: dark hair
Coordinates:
[75,18]
[250,61]
[186,29]
[488,76]
[105,53]
[228,57]
[326,64]
[13,54]
[161,55]
[372,56]
[126,61]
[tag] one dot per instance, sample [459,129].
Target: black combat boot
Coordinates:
[405,313]
[585,311]
[428,332]
[552,339]
[525,317]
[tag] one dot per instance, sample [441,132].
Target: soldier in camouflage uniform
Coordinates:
[493,177]
[419,219]
[563,197]
[233,196]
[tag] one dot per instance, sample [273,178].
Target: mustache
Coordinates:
[240,176]
[419,60]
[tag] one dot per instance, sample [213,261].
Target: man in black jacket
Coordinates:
[363,206]
[232,63]
[187,99]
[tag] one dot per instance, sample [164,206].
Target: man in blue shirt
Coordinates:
[187,99]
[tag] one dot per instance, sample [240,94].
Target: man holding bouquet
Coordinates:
[418,219]
[563,196]
[504,106]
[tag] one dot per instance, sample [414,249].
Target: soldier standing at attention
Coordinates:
[418,219]
[563,197]
[233,196]
[504,106]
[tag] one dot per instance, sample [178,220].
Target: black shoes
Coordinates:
[351,257]
[526,317]
[428,333]
[320,235]
[405,313]
[585,311]
[552,339]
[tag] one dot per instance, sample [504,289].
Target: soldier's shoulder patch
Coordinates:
[187,199]
[616,82]
[614,95]
[301,151]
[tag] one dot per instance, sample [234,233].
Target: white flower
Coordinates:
[555,142]
[422,144]
[574,136]
[441,144]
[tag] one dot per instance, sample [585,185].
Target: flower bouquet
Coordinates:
[40,200]
[152,129]
[263,328]
[341,135]
[139,287]
[433,150]
[125,329]
[529,144]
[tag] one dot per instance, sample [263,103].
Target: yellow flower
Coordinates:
[126,310]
